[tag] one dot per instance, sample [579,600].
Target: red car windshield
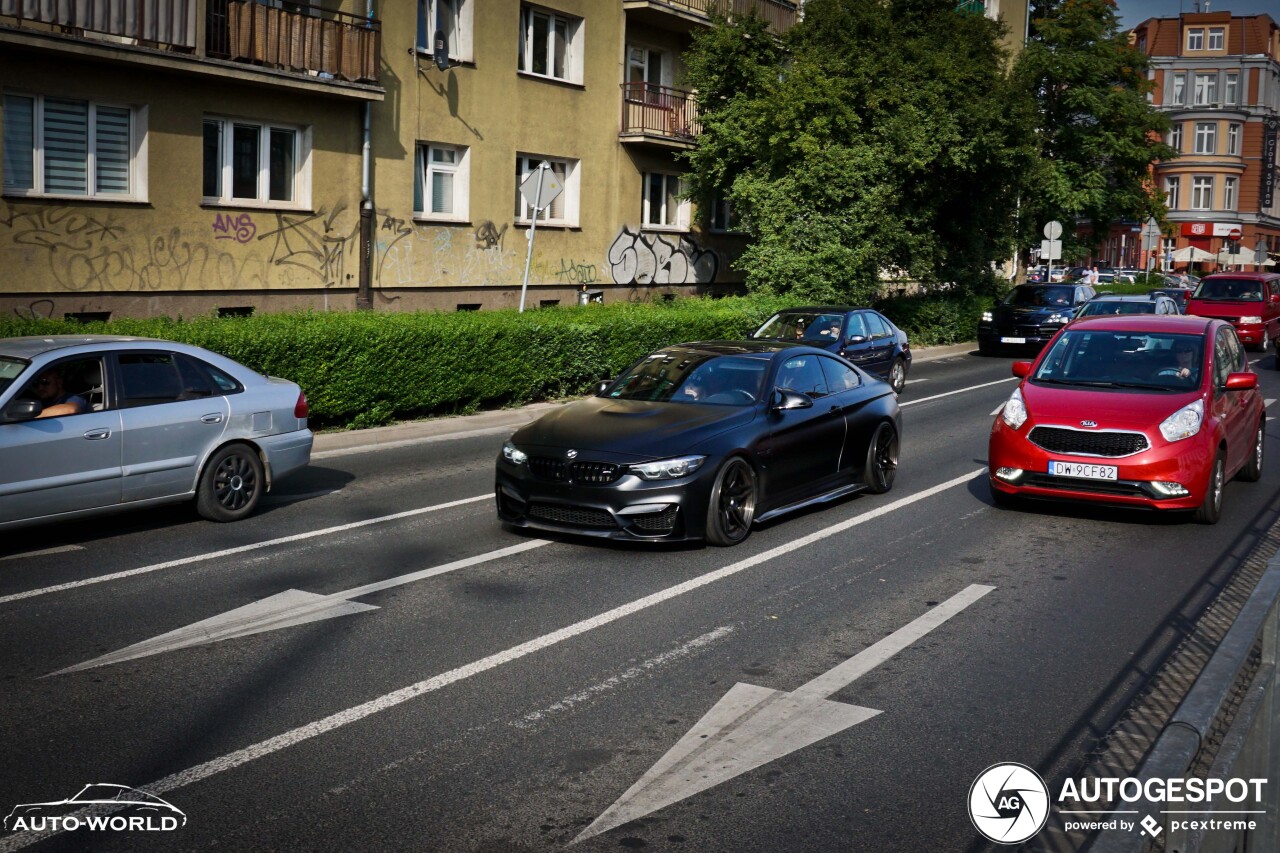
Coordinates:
[1154,361]
[1229,289]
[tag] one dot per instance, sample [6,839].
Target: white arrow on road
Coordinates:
[283,610]
[752,726]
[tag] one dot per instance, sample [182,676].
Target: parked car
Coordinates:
[1030,315]
[1113,303]
[701,441]
[159,422]
[865,337]
[1250,301]
[1154,412]
[1178,294]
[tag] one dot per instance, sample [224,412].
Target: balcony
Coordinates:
[780,15]
[271,41]
[659,115]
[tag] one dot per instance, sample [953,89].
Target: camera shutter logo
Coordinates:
[1008,803]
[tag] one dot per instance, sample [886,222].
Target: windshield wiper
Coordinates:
[1105,383]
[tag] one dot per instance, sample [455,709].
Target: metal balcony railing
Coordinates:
[779,14]
[659,111]
[298,37]
[164,24]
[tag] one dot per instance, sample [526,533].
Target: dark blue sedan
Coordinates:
[863,336]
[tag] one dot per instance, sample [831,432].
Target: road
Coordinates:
[514,687]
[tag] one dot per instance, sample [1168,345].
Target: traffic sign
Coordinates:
[1053,230]
[1234,234]
[1050,250]
[1260,252]
[541,187]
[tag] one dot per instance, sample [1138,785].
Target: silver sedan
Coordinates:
[94,424]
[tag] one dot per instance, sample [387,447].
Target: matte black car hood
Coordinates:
[632,428]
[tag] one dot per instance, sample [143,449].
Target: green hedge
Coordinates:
[364,369]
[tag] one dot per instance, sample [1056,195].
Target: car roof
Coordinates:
[1253,276]
[1126,297]
[828,309]
[1172,323]
[758,347]
[29,347]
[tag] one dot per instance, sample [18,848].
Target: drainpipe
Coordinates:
[364,295]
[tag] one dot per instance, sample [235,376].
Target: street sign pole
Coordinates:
[533,229]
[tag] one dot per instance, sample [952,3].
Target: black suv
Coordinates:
[1030,315]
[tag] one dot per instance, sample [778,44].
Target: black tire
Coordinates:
[1252,470]
[1211,510]
[898,375]
[231,484]
[882,460]
[732,507]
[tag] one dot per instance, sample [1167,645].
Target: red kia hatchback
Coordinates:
[1250,301]
[1144,411]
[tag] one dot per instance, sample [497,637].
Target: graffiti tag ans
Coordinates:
[239,228]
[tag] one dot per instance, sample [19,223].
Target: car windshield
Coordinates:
[1116,306]
[687,378]
[802,325]
[1039,297]
[1233,289]
[1113,359]
[10,369]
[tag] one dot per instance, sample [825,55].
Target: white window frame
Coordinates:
[1206,137]
[572,183]
[1233,139]
[575,35]
[138,115]
[1172,191]
[301,172]
[1175,137]
[424,167]
[1217,38]
[1206,88]
[1202,192]
[1178,88]
[663,219]
[458,13]
[1230,197]
[1195,38]
[1231,87]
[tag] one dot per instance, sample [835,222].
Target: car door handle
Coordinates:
[835,410]
[97,434]
[212,418]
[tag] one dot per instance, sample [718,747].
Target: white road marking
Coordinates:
[1266,404]
[240,757]
[957,391]
[917,381]
[997,410]
[751,726]
[626,675]
[213,555]
[61,549]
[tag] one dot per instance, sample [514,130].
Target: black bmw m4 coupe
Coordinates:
[701,440]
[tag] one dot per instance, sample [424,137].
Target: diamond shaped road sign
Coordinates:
[544,179]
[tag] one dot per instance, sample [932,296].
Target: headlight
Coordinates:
[1247,320]
[513,454]
[668,469]
[986,317]
[1059,318]
[1183,423]
[1015,410]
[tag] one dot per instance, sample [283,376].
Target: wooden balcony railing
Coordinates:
[779,14]
[659,111]
[164,24]
[298,37]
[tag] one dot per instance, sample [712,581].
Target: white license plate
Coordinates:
[1083,470]
[1013,340]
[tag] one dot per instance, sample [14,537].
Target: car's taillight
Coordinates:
[300,409]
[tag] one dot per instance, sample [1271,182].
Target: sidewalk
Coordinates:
[499,420]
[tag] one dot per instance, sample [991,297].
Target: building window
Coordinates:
[1172,191]
[1206,89]
[1179,89]
[1217,38]
[563,210]
[1231,88]
[1195,38]
[550,44]
[1229,194]
[442,180]
[662,206]
[452,17]
[1206,138]
[1202,193]
[1233,139]
[255,163]
[63,147]
[1175,137]
[723,216]
[647,72]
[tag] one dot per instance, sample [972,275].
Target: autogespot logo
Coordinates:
[1008,803]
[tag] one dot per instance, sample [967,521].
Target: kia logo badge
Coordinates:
[1089,424]
[572,454]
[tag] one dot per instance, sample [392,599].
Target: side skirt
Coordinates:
[835,494]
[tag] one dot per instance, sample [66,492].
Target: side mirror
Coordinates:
[602,386]
[1021,369]
[785,399]
[857,339]
[1275,298]
[1242,381]
[21,410]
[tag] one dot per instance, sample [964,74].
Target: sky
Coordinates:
[1134,12]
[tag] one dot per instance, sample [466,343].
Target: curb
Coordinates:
[497,421]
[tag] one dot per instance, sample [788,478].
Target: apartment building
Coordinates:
[1217,76]
[183,157]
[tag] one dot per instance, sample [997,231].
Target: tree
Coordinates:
[1097,133]
[875,137]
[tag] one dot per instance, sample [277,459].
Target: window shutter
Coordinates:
[111,150]
[66,146]
[19,143]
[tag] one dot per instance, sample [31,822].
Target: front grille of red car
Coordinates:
[1084,443]
[1073,484]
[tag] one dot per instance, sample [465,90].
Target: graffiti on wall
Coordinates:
[421,256]
[636,258]
[239,228]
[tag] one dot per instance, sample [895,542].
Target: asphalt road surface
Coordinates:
[444,684]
